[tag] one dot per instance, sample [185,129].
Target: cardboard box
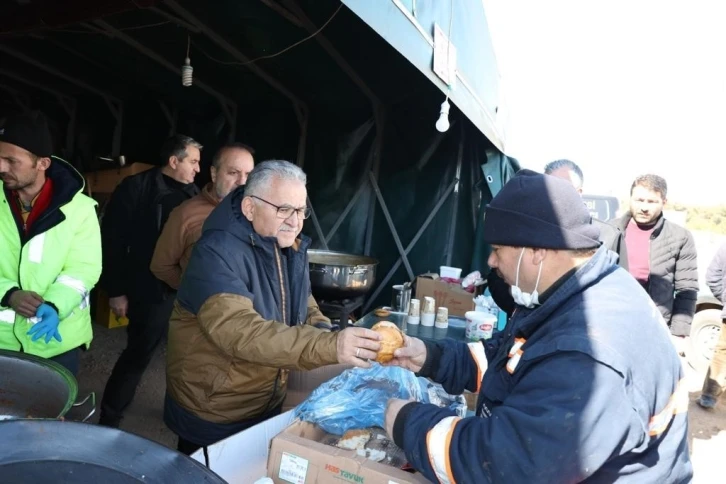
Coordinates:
[297,456]
[300,384]
[450,296]
[106,181]
[242,458]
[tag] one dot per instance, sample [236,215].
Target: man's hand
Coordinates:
[119,306]
[358,345]
[394,406]
[412,356]
[680,343]
[47,326]
[25,303]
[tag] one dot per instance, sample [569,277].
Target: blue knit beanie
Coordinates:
[542,211]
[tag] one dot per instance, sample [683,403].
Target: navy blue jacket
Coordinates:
[247,264]
[244,316]
[585,387]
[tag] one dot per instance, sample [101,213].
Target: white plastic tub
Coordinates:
[450,272]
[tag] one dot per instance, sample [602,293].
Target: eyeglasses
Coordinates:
[285,212]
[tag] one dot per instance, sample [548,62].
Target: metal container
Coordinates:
[336,275]
[33,387]
[401,298]
[41,451]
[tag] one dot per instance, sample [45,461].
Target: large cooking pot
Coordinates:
[41,451]
[33,387]
[335,276]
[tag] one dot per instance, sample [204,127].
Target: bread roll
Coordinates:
[392,339]
[354,439]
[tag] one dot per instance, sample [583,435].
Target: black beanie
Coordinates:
[28,131]
[541,211]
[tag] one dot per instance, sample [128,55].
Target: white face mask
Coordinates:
[524,298]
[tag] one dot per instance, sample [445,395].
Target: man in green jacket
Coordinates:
[51,246]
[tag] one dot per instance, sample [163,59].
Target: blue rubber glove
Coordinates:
[47,326]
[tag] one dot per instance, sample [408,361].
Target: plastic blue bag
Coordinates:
[357,398]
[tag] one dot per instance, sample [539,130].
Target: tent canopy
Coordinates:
[303,80]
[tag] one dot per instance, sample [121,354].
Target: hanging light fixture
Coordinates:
[442,125]
[187,69]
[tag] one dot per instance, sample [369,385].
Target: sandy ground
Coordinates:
[145,416]
[707,428]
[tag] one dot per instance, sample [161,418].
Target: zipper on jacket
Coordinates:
[274,392]
[282,300]
[20,287]
[282,284]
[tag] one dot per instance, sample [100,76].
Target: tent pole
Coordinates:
[297,12]
[302,114]
[171,118]
[308,24]
[455,208]
[283,11]
[377,149]
[70,106]
[345,212]
[20,98]
[114,104]
[391,226]
[411,244]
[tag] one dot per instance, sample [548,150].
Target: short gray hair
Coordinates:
[261,176]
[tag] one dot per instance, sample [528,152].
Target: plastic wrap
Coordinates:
[357,398]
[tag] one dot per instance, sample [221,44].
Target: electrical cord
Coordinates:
[270,56]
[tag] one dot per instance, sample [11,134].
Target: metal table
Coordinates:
[455,331]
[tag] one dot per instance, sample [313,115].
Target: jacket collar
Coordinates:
[625,220]
[163,186]
[67,183]
[209,195]
[601,264]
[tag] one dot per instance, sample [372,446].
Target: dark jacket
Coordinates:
[614,239]
[586,387]
[130,226]
[673,282]
[611,237]
[716,277]
[244,316]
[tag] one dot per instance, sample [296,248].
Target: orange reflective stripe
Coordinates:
[438,445]
[477,352]
[515,354]
[518,343]
[677,403]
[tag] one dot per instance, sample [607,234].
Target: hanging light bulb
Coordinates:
[187,71]
[442,124]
